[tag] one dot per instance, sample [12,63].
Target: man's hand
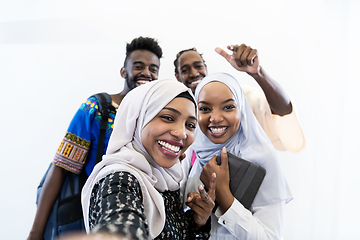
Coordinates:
[203,203]
[243,58]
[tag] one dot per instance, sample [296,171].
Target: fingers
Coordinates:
[233,47]
[201,203]
[195,202]
[252,56]
[223,53]
[215,159]
[212,187]
[204,196]
[239,55]
[224,157]
[191,196]
[244,55]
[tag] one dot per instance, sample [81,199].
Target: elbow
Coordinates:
[283,111]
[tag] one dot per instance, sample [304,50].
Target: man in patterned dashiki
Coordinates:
[77,151]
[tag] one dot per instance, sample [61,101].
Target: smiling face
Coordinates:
[191,69]
[170,132]
[142,66]
[219,115]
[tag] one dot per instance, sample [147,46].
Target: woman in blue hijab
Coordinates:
[227,123]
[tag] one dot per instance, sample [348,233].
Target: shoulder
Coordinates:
[123,177]
[89,109]
[120,181]
[252,93]
[90,105]
[255,97]
[126,179]
[81,123]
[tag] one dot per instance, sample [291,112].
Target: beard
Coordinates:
[131,83]
[135,82]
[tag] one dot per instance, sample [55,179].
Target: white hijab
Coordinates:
[125,151]
[249,142]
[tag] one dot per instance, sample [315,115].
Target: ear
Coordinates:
[178,77]
[206,72]
[123,72]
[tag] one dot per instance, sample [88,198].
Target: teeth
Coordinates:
[217,130]
[142,82]
[195,82]
[169,147]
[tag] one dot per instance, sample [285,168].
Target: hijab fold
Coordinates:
[125,151]
[249,142]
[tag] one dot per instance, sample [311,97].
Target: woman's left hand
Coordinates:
[203,203]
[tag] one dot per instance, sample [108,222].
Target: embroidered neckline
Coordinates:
[115,104]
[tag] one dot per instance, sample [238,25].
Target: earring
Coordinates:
[175,131]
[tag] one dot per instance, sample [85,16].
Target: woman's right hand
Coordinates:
[223,194]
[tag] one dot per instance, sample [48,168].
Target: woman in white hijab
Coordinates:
[133,191]
[227,123]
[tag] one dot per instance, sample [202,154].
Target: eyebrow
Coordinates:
[226,101]
[186,65]
[177,112]
[139,62]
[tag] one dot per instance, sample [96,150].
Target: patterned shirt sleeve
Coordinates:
[74,148]
[116,206]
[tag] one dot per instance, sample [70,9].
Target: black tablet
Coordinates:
[245,179]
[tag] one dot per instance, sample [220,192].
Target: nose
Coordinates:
[216,116]
[146,72]
[179,132]
[194,72]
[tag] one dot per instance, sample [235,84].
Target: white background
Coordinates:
[54,54]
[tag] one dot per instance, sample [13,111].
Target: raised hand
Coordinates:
[203,203]
[243,58]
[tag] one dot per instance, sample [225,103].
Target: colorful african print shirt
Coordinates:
[79,146]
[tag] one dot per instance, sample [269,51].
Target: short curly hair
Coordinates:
[176,62]
[143,43]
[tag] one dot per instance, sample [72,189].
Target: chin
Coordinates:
[167,164]
[219,140]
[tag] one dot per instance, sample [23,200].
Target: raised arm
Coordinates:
[245,59]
